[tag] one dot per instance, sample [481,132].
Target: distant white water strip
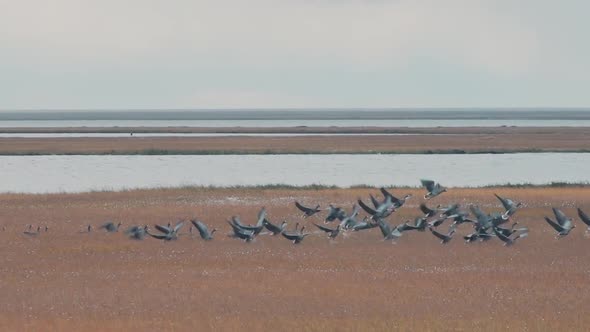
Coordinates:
[46,174]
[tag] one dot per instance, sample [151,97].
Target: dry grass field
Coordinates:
[67,280]
[430,140]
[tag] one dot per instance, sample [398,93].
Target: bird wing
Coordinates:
[426,210]
[271,227]
[163,229]
[261,216]
[375,202]
[553,224]
[235,227]
[428,184]
[506,203]
[178,226]
[158,236]
[325,229]
[437,234]
[584,217]
[388,194]
[385,228]
[304,209]
[355,211]
[560,216]
[366,208]
[290,236]
[202,228]
[500,235]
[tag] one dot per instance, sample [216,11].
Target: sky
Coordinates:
[138,54]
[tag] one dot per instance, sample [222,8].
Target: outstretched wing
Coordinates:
[178,226]
[375,202]
[366,208]
[426,210]
[202,228]
[388,194]
[428,184]
[562,219]
[501,236]
[506,203]
[325,229]
[261,216]
[553,224]
[304,209]
[584,217]
[163,229]
[437,234]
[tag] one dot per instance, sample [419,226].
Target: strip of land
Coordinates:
[430,140]
[67,279]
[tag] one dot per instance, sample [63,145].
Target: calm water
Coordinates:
[410,123]
[40,174]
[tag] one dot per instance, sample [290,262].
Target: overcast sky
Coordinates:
[302,53]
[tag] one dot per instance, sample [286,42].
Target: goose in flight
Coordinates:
[240,233]
[384,209]
[365,224]
[349,221]
[428,212]
[479,234]
[274,229]
[203,230]
[307,211]
[508,241]
[169,233]
[445,238]
[419,224]
[259,224]
[509,206]
[387,231]
[296,237]
[563,226]
[433,189]
[511,230]
[449,211]
[334,213]
[397,202]
[332,233]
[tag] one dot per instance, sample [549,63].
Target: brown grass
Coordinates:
[63,280]
[458,139]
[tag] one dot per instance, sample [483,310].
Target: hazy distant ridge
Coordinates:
[300,114]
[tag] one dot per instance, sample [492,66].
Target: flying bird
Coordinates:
[307,212]
[433,189]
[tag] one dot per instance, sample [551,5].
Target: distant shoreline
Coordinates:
[469,140]
[306,130]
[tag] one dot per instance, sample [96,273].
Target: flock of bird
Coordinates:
[486,226]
